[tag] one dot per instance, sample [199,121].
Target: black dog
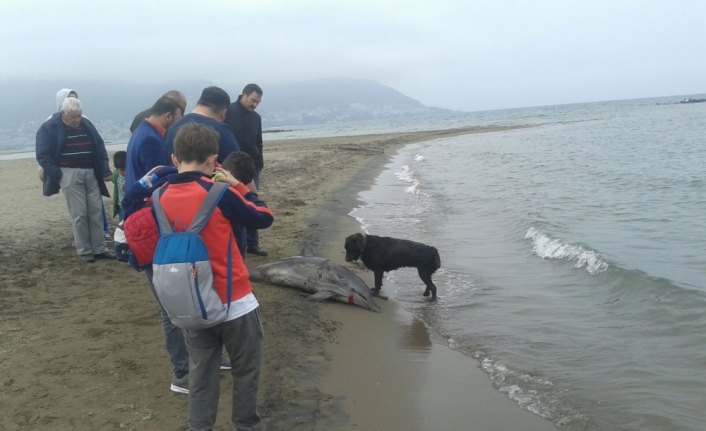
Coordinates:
[381,254]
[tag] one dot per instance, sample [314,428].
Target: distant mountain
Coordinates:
[335,100]
[112,105]
[332,92]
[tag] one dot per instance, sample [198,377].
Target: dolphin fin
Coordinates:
[321,295]
[306,251]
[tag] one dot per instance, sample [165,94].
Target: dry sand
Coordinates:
[81,346]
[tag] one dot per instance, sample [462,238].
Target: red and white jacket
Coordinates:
[181,199]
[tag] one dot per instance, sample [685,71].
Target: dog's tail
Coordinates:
[437,259]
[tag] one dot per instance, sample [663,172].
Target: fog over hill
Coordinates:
[112,105]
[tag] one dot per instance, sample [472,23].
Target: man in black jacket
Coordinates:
[246,125]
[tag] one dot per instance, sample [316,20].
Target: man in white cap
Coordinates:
[73,158]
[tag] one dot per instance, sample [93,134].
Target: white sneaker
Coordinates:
[180,386]
[225,363]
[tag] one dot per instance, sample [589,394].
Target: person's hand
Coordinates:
[224,176]
[40,174]
[108,179]
[155,174]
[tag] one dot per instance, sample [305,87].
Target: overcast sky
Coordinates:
[459,54]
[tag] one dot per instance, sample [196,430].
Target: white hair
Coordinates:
[71,105]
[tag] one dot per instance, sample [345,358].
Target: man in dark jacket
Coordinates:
[246,125]
[73,158]
[211,111]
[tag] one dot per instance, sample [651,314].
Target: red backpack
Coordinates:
[142,234]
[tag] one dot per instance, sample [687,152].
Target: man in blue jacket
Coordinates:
[145,150]
[175,95]
[73,158]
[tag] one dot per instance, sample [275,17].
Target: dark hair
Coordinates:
[250,88]
[240,165]
[165,105]
[215,98]
[120,160]
[195,142]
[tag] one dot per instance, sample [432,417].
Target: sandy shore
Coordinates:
[81,346]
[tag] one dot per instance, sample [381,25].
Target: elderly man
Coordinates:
[73,158]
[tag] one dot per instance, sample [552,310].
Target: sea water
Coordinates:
[572,253]
[573,266]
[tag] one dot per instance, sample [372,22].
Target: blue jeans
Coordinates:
[173,336]
[253,237]
[242,338]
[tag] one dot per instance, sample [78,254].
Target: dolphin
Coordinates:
[321,277]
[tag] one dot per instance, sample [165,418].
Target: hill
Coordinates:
[335,100]
[112,105]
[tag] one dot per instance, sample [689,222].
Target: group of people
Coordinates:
[179,153]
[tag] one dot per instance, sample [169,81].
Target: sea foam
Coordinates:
[407,175]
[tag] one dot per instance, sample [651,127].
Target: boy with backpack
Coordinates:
[240,331]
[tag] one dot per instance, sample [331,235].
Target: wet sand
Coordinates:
[81,347]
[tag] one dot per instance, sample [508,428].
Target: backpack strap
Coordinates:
[162,221]
[207,206]
[200,218]
[229,282]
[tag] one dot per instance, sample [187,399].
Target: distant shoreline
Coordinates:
[28,153]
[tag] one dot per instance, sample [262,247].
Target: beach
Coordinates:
[82,348]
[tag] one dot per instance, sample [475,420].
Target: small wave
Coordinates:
[547,247]
[361,221]
[418,157]
[410,176]
[532,393]
[407,175]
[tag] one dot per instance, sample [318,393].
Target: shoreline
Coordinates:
[388,370]
[84,348]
